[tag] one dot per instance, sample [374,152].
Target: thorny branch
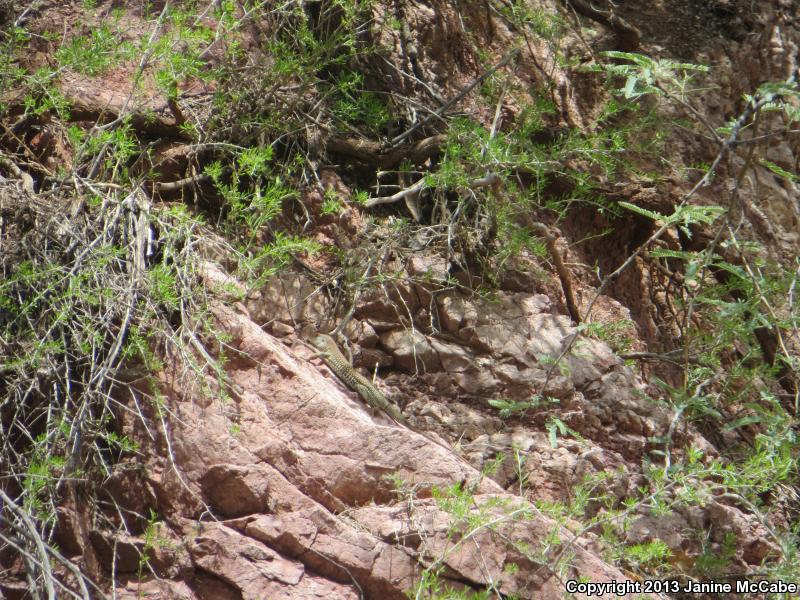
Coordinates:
[80,282]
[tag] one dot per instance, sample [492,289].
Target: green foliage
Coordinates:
[109,149]
[683,216]
[356,106]
[640,556]
[121,443]
[729,304]
[548,25]
[42,474]
[175,66]
[42,95]
[614,333]
[510,408]
[723,393]
[164,286]
[772,97]
[360,196]
[779,171]
[95,53]
[309,54]
[277,254]
[556,427]
[623,134]
[138,349]
[644,75]
[76,320]
[715,561]
[252,194]
[11,74]
[431,586]
[153,540]
[331,204]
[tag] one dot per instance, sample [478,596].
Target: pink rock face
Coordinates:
[281,491]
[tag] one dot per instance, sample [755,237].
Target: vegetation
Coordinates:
[101,281]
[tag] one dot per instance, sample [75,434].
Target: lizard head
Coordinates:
[320,342]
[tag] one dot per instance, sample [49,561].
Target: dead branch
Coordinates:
[475,82]
[172,186]
[488,180]
[561,269]
[628,36]
[27,180]
[374,153]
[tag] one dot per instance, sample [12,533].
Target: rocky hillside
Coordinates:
[560,237]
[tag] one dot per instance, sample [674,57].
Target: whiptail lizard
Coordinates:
[333,357]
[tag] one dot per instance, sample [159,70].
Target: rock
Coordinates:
[453,357]
[412,352]
[431,267]
[362,331]
[257,572]
[235,491]
[279,329]
[117,551]
[759,550]
[783,156]
[68,536]
[304,450]
[292,461]
[670,529]
[518,281]
[451,312]
[287,297]
[155,589]
[476,381]
[372,358]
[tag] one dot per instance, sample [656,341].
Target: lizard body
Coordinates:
[337,363]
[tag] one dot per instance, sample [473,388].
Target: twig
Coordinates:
[628,36]
[669,357]
[27,180]
[418,186]
[438,112]
[171,186]
[33,535]
[561,269]
[23,15]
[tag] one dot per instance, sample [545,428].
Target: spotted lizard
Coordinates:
[333,357]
